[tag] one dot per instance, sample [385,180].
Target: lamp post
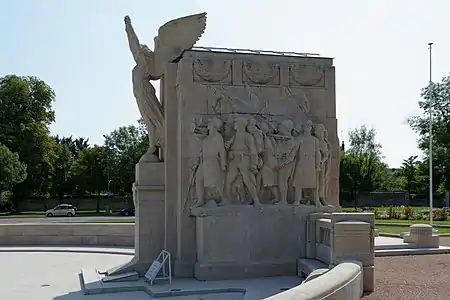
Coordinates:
[431,137]
[107,170]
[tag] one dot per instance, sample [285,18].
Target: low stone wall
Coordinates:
[343,282]
[74,234]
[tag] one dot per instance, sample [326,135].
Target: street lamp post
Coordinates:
[431,137]
[108,192]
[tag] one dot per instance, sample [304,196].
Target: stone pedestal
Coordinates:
[422,235]
[148,197]
[244,241]
[353,239]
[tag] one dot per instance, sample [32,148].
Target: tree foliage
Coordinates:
[362,169]
[25,114]
[437,97]
[12,170]
[125,147]
[412,176]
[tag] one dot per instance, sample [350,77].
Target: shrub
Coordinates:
[393,213]
[440,214]
[407,213]
[377,214]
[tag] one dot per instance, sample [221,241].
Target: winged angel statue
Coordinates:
[173,39]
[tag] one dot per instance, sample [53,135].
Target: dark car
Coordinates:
[127,211]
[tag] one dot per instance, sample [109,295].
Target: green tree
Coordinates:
[25,113]
[412,176]
[74,145]
[63,164]
[361,167]
[125,147]
[12,170]
[439,93]
[90,170]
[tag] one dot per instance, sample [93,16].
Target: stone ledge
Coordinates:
[73,234]
[88,249]
[227,271]
[345,281]
[306,266]
[260,288]
[414,251]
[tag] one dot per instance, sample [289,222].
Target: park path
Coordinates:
[418,277]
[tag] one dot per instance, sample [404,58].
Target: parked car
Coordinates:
[61,210]
[127,211]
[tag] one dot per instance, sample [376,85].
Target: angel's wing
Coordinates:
[178,35]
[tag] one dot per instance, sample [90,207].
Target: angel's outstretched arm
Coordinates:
[133,40]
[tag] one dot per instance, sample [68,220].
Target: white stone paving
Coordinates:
[54,276]
[386,240]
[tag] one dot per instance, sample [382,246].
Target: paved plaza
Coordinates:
[54,275]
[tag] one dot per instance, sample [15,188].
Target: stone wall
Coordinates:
[67,234]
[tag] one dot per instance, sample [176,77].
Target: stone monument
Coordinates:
[243,148]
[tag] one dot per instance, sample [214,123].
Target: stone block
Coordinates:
[369,279]
[421,235]
[149,227]
[149,173]
[305,266]
[421,229]
[243,270]
[249,240]
[352,240]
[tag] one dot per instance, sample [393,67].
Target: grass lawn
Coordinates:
[399,229]
[395,221]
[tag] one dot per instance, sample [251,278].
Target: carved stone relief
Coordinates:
[306,75]
[261,73]
[302,102]
[209,70]
[257,141]
[261,162]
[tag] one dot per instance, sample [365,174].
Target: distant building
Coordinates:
[391,171]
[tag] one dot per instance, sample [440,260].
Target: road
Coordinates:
[42,220]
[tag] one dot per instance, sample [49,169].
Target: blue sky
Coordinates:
[380,48]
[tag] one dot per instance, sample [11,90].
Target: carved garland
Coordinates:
[210,71]
[260,74]
[315,74]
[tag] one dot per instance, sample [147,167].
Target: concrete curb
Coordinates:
[389,235]
[121,251]
[409,252]
[407,225]
[399,236]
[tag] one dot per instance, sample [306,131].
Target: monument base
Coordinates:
[242,270]
[148,198]
[248,242]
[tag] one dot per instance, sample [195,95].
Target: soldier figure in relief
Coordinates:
[259,144]
[242,160]
[319,132]
[268,174]
[212,163]
[307,166]
[327,166]
[286,152]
